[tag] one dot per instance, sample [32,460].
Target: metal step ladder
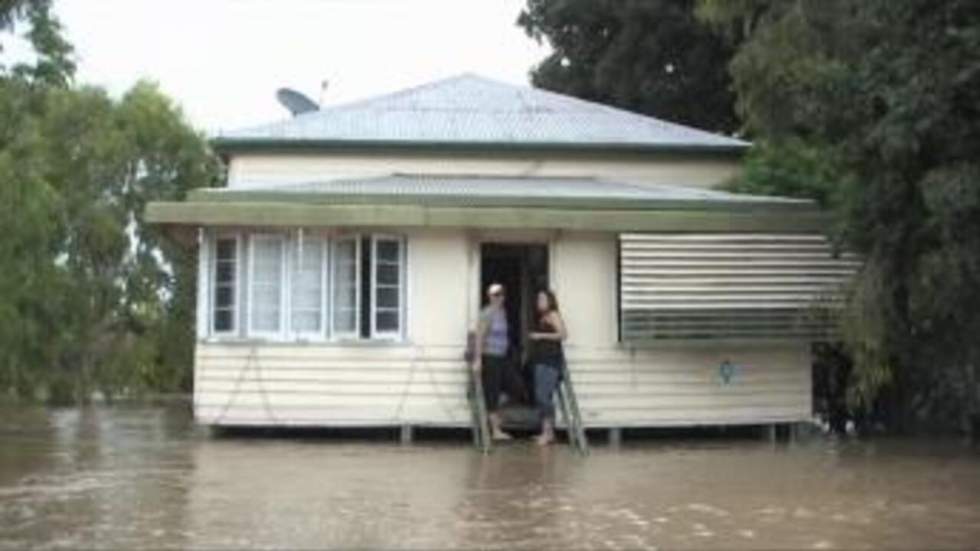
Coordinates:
[524,417]
[571,414]
[478,411]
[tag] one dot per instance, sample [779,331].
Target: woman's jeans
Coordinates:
[545,382]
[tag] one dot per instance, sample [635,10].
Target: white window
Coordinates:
[308,285]
[266,277]
[386,282]
[346,279]
[224,318]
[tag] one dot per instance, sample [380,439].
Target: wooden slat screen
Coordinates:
[729,286]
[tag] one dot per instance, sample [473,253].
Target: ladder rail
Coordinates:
[567,417]
[573,420]
[478,409]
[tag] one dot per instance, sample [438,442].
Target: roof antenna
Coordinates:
[295,102]
[323,91]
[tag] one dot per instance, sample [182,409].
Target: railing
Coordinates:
[482,438]
[572,415]
[478,410]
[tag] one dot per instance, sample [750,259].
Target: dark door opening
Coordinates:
[523,270]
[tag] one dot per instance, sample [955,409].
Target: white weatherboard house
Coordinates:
[342,264]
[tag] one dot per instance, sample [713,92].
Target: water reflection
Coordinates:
[144,477]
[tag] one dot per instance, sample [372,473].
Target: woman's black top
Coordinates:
[546,351]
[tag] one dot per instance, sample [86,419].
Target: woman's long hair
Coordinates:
[552,300]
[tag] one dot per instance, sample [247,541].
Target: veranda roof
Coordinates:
[489,202]
[473,111]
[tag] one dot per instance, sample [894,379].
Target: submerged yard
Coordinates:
[144,476]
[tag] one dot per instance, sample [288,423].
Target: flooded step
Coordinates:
[519,417]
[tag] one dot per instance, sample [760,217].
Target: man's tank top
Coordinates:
[497,338]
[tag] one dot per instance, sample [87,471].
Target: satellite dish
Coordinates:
[296,102]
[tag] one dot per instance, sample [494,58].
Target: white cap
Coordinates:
[495,288]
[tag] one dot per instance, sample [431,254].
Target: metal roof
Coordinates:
[470,110]
[512,191]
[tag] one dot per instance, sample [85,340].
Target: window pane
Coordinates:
[307,286]
[308,279]
[345,286]
[265,295]
[224,296]
[387,297]
[224,284]
[226,272]
[226,249]
[388,251]
[306,322]
[344,319]
[266,283]
[306,297]
[266,320]
[386,321]
[387,288]
[223,320]
[388,274]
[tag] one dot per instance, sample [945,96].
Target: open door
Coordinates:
[522,268]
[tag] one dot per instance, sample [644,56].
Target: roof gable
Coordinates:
[470,110]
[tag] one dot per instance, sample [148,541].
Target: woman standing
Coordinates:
[548,360]
[490,355]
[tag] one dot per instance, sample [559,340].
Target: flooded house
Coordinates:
[343,263]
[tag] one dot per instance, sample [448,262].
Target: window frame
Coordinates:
[236,290]
[354,334]
[398,333]
[280,333]
[243,285]
[326,264]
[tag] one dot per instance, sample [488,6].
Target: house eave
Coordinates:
[292,214]
[580,204]
[230,145]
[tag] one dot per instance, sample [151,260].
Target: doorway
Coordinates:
[522,268]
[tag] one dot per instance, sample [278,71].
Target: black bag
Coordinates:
[515,385]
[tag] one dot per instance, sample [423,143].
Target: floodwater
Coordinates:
[128,477]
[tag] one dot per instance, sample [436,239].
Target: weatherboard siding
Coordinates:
[422,381]
[339,386]
[699,171]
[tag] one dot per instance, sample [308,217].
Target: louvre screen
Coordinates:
[729,286]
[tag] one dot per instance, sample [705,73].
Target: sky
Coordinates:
[223,60]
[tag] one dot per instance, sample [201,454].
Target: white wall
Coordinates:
[265,169]
[423,380]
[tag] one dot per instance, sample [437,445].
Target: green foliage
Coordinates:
[888,95]
[791,168]
[54,65]
[92,294]
[652,56]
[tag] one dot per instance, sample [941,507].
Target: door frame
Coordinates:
[527,290]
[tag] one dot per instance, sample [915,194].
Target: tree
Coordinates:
[889,94]
[652,56]
[54,64]
[93,297]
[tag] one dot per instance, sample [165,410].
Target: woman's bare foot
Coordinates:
[501,435]
[544,439]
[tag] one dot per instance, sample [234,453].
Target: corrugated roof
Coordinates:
[467,190]
[470,110]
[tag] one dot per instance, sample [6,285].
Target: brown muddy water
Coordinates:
[145,477]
